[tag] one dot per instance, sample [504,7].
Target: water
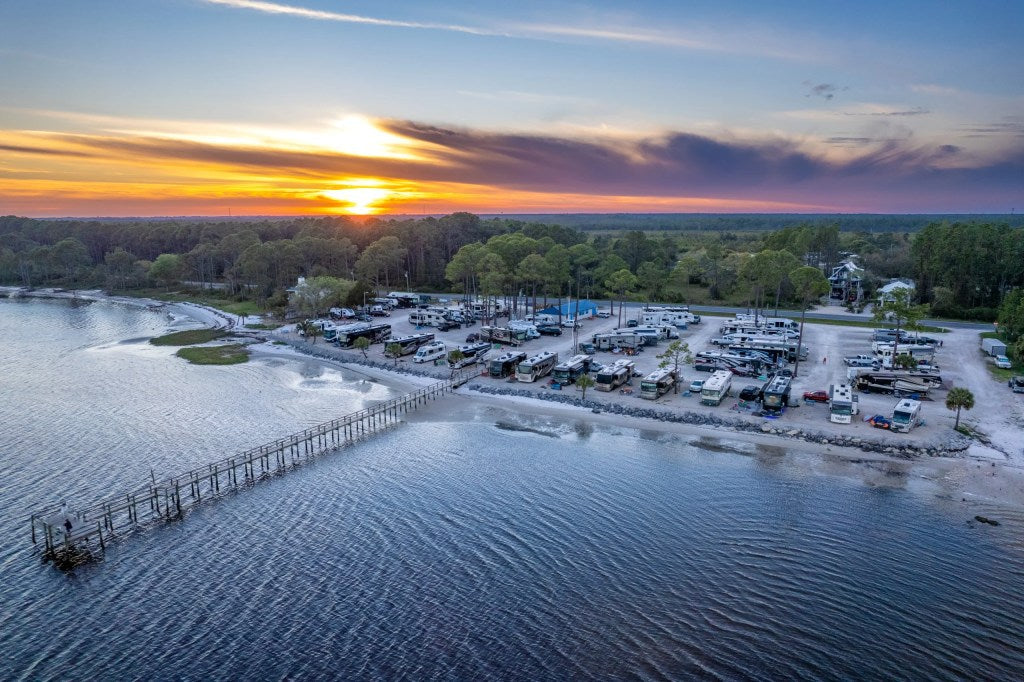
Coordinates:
[460,550]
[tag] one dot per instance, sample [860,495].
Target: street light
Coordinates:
[407,280]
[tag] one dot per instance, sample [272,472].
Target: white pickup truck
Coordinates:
[861,361]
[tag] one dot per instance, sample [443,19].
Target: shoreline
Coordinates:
[958,463]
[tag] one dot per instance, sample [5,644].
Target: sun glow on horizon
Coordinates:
[359,200]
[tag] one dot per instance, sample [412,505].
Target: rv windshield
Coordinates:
[842,409]
[648,385]
[901,417]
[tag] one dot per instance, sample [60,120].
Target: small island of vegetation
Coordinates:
[229,354]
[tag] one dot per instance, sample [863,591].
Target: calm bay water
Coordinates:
[458,550]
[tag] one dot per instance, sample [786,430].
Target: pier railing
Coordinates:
[70,536]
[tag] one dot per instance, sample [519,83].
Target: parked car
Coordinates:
[604,313]
[862,361]
[472,337]
[696,385]
[751,393]
[447,325]
[569,323]
[549,329]
[379,311]
[1016,384]
[632,323]
[1003,362]
[816,396]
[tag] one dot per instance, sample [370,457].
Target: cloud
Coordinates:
[932,89]
[876,175]
[763,45]
[826,91]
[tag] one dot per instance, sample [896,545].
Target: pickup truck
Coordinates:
[861,361]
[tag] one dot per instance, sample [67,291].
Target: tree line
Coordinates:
[962,269]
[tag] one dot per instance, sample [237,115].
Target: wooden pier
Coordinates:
[71,536]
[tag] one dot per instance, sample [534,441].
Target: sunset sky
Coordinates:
[210,107]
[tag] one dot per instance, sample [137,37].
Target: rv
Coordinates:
[664,317]
[505,365]
[426,318]
[523,325]
[408,299]
[533,368]
[430,352]
[376,333]
[842,404]
[657,383]
[511,337]
[767,322]
[884,352]
[651,335]
[408,344]
[614,375]
[569,371]
[751,330]
[776,394]
[716,388]
[471,353]
[618,340]
[906,415]
[892,382]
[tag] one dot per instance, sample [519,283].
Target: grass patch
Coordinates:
[228,305]
[262,326]
[279,343]
[231,354]
[189,337]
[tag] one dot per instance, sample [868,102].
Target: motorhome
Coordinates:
[572,369]
[842,404]
[407,299]
[430,352]
[346,336]
[780,347]
[407,344]
[612,376]
[776,394]
[426,318]
[661,317]
[471,353]
[618,340]
[906,415]
[505,335]
[657,383]
[537,366]
[716,388]
[752,330]
[505,365]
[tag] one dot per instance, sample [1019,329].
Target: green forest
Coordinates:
[962,269]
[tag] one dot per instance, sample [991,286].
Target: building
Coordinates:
[846,282]
[584,307]
[887,293]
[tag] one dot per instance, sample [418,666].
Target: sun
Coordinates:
[359,200]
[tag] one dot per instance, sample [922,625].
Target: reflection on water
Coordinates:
[462,550]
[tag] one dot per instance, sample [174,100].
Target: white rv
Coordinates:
[716,388]
[657,383]
[426,318]
[842,404]
[906,415]
[430,352]
[537,366]
[611,377]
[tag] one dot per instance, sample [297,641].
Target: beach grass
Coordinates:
[188,337]
[230,354]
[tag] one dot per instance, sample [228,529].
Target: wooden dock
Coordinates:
[72,536]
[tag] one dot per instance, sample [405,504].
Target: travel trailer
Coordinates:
[537,366]
[426,318]
[510,337]
[716,388]
[430,352]
[617,340]
[657,383]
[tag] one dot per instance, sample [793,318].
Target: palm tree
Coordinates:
[362,343]
[584,382]
[959,399]
[454,358]
[394,350]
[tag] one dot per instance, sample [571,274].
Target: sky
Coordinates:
[252,107]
